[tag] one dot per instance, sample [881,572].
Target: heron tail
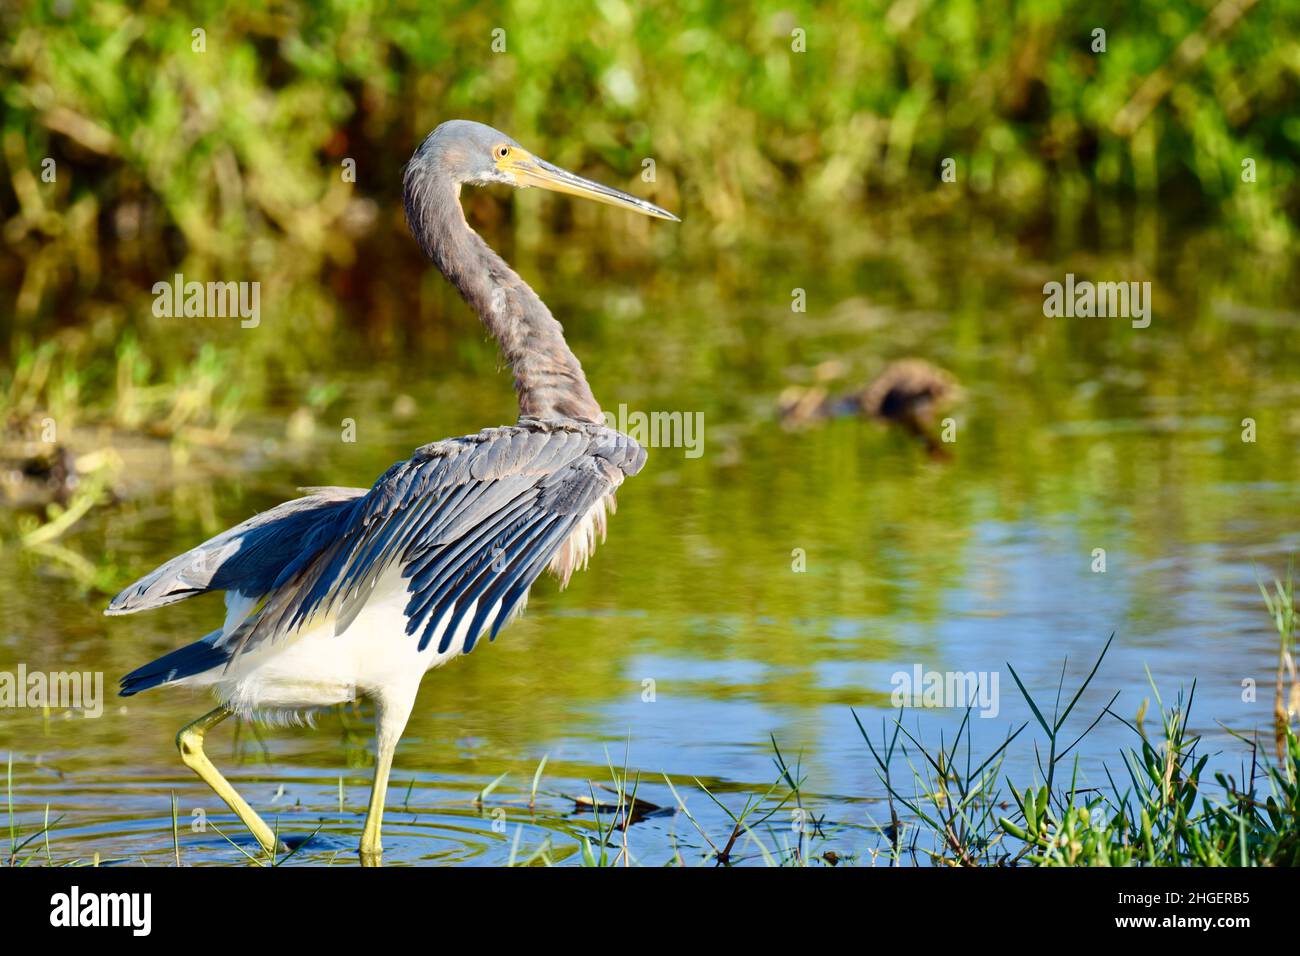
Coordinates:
[181,663]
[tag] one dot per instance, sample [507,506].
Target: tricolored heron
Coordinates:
[349,592]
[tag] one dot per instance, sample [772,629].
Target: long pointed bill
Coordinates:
[528,170]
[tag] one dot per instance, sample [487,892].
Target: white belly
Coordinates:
[318,668]
[375,657]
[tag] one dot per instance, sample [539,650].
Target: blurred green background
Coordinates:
[227,163]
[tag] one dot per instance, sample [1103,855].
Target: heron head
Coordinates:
[468,152]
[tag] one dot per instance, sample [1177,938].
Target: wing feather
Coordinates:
[250,558]
[472,523]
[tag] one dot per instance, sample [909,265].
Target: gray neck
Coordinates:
[548,376]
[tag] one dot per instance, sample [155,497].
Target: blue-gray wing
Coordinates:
[471,523]
[250,557]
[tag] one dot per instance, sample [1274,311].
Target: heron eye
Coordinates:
[503,152]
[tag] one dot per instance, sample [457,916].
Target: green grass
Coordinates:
[226,163]
[1157,809]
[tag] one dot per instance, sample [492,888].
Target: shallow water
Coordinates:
[1073,435]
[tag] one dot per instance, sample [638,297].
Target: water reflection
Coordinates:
[1071,438]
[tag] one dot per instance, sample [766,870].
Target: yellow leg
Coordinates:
[190,743]
[372,848]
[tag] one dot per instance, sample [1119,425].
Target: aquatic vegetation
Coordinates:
[226,159]
[1158,810]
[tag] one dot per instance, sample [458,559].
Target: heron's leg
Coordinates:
[371,845]
[392,709]
[189,741]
